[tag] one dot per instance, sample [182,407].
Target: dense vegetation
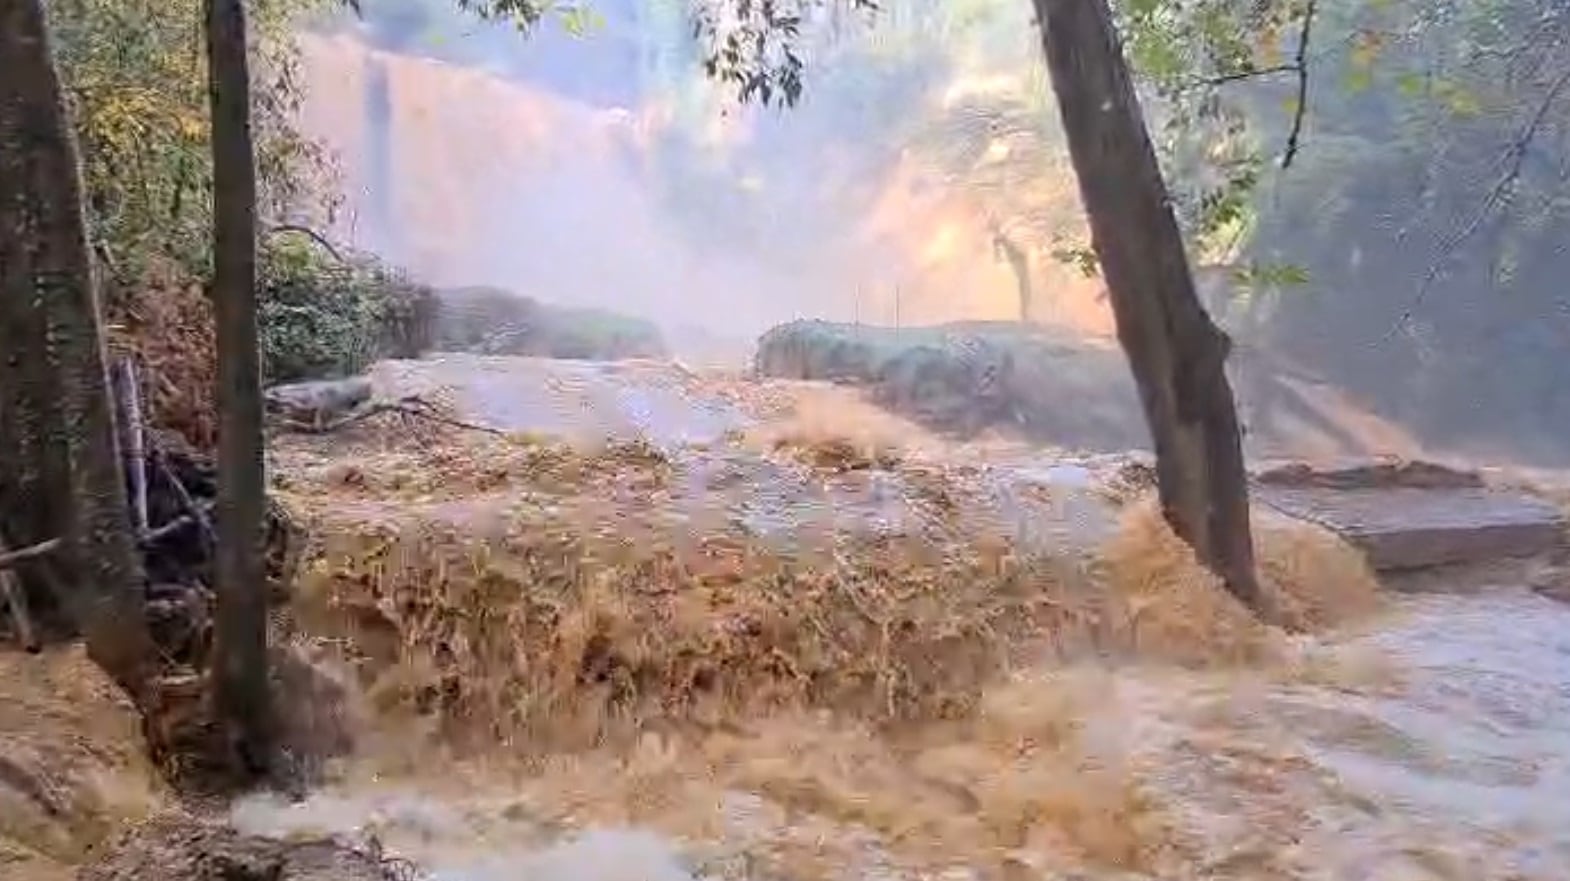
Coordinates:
[135,72]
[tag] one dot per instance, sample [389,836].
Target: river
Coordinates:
[1432,742]
[1402,737]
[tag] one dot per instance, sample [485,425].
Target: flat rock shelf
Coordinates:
[1403,528]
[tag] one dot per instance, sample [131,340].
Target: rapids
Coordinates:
[1421,736]
[1430,743]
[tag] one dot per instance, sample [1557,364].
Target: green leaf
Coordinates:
[579,20]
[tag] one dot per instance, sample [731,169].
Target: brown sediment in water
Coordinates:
[810,646]
[73,765]
[560,617]
[604,655]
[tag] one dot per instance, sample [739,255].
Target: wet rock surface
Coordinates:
[967,378]
[1370,474]
[186,849]
[317,402]
[493,321]
[1410,514]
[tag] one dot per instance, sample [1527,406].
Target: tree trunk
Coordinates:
[240,675]
[1176,353]
[60,407]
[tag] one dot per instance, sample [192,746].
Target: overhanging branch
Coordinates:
[1300,65]
[1512,159]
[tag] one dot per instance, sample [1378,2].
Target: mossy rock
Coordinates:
[967,378]
[495,321]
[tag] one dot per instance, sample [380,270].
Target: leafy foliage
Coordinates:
[136,74]
[321,317]
[1434,227]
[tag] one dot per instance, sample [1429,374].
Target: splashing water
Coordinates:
[1415,737]
[1433,746]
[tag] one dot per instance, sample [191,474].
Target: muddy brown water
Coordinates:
[1430,742]
[1435,744]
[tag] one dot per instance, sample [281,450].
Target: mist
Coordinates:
[603,170]
[589,171]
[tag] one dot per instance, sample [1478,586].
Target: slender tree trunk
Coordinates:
[62,408]
[1176,352]
[241,679]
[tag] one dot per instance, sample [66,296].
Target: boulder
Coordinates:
[494,321]
[317,402]
[1408,514]
[970,377]
[180,848]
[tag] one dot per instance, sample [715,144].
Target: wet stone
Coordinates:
[1404,527]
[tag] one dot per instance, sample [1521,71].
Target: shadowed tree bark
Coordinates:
[54,385]
[240,667]
[1176,353]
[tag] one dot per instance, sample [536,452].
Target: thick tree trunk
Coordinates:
[1176,353]
[48,272]
[240,680]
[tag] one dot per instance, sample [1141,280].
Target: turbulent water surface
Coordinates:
[1430,740]
[1433,745]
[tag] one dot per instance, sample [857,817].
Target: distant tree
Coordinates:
[240,675]
[1005,247]
[60,446]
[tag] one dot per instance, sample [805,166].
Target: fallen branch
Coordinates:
[153,536]
[128,404]
[186,502]
[10,558]
[16,601]
[410,406]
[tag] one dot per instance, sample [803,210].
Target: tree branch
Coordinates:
[1239,76]
[10,558]
[310,234]
[1513,157]
[1301,66]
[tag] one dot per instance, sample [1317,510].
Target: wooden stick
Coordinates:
[186,502]
[16,599]
[411,406]
[153,536]
[128,399]
[9,558]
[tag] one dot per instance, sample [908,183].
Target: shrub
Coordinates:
[324,317]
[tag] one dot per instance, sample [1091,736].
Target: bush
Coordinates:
[322,317]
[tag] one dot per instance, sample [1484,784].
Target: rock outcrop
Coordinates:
[493,321]
[968,378]
[177,848]
[1408,515]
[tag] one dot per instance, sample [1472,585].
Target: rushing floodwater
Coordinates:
[1434,744]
